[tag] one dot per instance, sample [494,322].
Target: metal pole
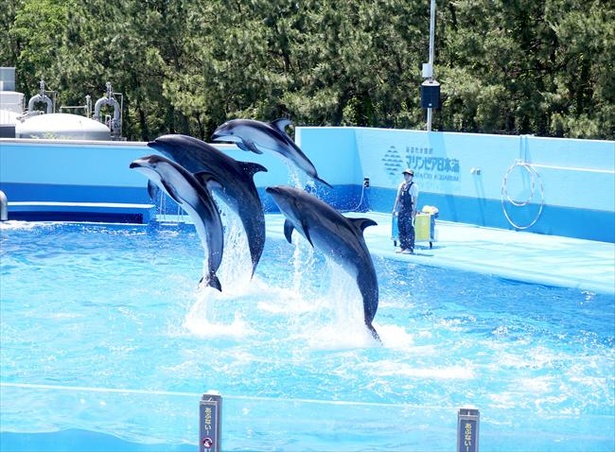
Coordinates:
[429,115]
[432,33]
[4,207]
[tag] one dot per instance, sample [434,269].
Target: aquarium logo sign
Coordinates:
[433,171]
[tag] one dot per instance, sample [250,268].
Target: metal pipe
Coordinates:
[108,99]
[41,97]
[88,105]
[87,108]
[4,207]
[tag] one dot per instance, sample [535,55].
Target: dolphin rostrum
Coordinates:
[239,190]
[190,192]
[340,238]
[252,135]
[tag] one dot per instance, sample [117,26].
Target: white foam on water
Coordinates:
[393,336]
[390,368]
[201,320]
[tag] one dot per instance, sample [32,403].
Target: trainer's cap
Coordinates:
[408,171]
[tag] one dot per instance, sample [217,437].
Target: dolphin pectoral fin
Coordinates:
[362,223]
[172,192]
[152,190]
[249,145]
[208,180]
[242,146]
[288,231]
[306,232]
[251,168]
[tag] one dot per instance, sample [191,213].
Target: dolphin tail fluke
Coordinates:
[212,281]
[373,331]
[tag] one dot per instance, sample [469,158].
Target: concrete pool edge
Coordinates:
[517,255]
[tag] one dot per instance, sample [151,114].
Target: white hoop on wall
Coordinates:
[535,177]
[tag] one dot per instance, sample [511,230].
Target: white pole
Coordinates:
[432,33]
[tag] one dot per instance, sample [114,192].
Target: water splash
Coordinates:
[236,268]
[204,320]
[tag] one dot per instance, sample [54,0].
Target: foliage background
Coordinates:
[186,66]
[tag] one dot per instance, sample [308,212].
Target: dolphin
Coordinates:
[239,190]
[252,135]
[340,238]
[190,192]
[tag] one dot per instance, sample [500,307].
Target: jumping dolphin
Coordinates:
[252,135]
[336,236]
[239,190]
[189,191]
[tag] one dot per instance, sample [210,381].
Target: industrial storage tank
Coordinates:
[61,126]
[39,120]
[11,103]
[8,120]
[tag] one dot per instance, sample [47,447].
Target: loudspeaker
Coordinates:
[430,94]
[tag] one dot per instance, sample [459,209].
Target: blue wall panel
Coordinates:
[563,187]
[552,186]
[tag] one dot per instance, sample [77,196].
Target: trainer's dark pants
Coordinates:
[406,230]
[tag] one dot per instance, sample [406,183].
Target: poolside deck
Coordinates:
[535,258]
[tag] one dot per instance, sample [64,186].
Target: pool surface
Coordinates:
[108,344]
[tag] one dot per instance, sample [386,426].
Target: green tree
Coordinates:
[36,34]
[511,67]
[10,44]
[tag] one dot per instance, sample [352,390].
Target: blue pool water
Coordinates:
[108,344]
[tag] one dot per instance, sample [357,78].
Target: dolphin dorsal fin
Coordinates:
[252,168]
[280,124]
[362,223]
[208,180]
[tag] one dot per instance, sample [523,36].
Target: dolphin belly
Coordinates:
[255,135]
[192,195]
[238,192]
